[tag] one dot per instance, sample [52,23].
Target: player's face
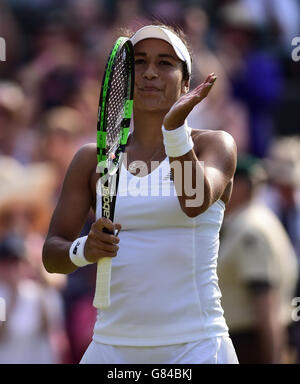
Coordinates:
[158,76]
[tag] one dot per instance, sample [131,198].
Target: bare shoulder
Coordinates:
[85,159]
[84,163]
[216,146]
[87,154]
[222,139]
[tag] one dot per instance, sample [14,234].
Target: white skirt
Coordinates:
[216,350]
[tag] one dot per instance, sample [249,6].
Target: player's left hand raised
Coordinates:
[183,106]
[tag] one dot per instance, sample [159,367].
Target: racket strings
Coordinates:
[118,96]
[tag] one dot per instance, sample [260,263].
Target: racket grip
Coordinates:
[102,293]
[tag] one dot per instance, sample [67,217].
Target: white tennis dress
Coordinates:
[164,286]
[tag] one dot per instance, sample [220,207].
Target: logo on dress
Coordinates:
[169,176]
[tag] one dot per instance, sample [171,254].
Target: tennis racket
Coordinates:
[114,114]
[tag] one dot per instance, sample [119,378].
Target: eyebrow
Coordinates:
[162,55]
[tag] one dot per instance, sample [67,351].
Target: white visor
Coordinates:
[157,32]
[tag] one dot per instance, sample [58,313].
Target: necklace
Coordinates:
[137,163]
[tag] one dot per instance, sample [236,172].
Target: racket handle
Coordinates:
[102,294]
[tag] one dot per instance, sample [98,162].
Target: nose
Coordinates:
[150,72]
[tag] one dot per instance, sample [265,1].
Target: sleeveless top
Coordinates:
[164,284]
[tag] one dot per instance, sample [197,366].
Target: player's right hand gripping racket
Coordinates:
[114,114]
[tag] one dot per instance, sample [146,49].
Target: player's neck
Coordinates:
[147,128]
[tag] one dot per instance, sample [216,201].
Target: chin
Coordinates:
[151,106]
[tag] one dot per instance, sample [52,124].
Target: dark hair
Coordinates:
[176,30]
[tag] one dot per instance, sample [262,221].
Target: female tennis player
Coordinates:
[174,184]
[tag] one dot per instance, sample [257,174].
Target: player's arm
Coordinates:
[208,167]
[70,215]
[206,171]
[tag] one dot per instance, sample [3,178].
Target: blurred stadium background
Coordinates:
[56,51]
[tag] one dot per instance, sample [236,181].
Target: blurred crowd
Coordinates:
[56,53]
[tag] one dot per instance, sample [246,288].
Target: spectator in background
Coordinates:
[80,313]
[282,192]
[258,273]
[128,13]
[12,117]
[61,130]
[24,334]
[34,328]
[256,75]
[282,195]
[280,19]
[164,11]
[26,195]
[234,114]
[86,103]
[52,75]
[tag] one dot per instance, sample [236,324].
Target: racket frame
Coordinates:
[110,168]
